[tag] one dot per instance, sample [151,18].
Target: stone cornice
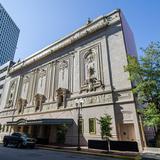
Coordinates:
[90,28]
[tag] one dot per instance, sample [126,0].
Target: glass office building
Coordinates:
[9,34]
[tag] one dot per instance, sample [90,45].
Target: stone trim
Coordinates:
[92,100]
[66,109]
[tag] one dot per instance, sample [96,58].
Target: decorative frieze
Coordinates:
[92,100]
[7,113]
[66,103]
[98,99]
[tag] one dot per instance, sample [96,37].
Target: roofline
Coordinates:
[108,22]
[69,35]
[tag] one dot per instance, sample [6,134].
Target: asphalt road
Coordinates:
[11,153]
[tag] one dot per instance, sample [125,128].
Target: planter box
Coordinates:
[98,144]
[114,145]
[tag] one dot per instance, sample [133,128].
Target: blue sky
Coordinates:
[42,22]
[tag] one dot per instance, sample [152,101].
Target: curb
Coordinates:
[88,153]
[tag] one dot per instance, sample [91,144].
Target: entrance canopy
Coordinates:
[21,122]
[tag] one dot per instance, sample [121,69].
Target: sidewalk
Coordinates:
[150,156]
[95,152]
[151,153]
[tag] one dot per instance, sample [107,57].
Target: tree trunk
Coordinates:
[109,147]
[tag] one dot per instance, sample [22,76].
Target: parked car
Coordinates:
[19,140]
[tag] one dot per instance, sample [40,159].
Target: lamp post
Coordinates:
[79,103]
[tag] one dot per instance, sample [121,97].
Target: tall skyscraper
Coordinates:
[9,34]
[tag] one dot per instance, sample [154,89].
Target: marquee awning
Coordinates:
[21,122]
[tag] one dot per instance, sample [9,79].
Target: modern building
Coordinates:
[85,66]
[9,34]
[4,69]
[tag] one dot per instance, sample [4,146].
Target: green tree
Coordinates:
[61,133]
[105,125]
[145,76]
[151,115]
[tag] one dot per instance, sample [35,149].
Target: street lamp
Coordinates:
[79,103]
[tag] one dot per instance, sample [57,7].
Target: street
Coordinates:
[11,153]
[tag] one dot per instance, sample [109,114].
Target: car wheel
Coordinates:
[5,143]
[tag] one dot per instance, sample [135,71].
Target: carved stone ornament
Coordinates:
[63,64]
[91,81]
[91,85]
[26,79]
[42,72]
[62,94]
[39,100]
[22,103]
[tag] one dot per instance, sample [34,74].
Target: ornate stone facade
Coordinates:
[91,70]
[86,65]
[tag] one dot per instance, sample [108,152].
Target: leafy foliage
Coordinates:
[151,115]
[105,124]
[61,133]
[145,75]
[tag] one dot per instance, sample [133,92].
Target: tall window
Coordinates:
[92,125]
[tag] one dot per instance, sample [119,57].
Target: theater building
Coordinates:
[41,92]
